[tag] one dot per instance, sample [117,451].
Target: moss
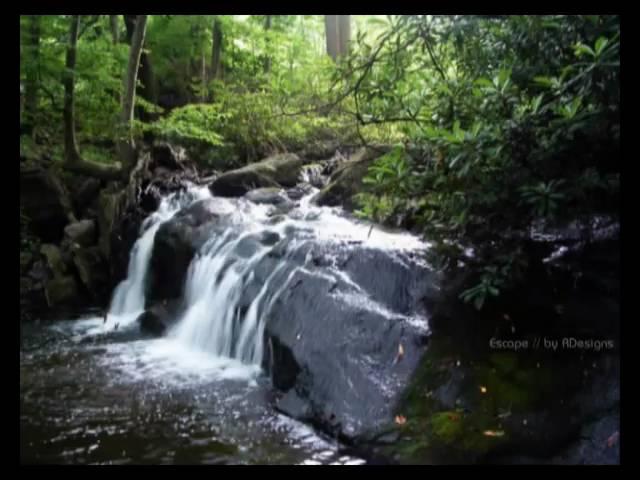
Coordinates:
[518,390]
[446,426]
[504,362]
[490,386]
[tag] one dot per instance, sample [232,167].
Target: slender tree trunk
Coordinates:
[216,49]
[331,32]
[203,96]
[115,31]
[338,33]
[344,34]
[149,88]
[126,145]
[32,83]
[267,58]
[73,160]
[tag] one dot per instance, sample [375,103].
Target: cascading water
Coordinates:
[220,317]
[128,298]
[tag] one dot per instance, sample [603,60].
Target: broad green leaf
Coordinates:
[601,44]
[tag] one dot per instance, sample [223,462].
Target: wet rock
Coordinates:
[92,270]
[61,290]
[339,354]
[26,259]
[150,199]
[299,191]
[272,196]
[175,244]
[86,194]
[45,203]
[109,206]
[54,259]
[157,319]
[83,232]
[346,181]
[276,171]
[313,174]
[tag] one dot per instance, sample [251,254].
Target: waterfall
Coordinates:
[235,278]
[215,320]
[128,298]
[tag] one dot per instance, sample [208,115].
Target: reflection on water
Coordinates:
[93,395]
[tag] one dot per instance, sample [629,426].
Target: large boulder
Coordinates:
[346,181]
[343,354]
[45,203]
[276,171]
[84,232]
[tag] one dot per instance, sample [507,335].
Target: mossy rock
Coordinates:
[54,259]
[61,290]
[482,391]
[275,171]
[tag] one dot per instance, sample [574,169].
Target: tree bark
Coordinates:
[338,34]
[115,31]
[216,49]
[203,95]
[32,81]
[149,88]
[73,160]
[331,33]
[344,34]
[127,145]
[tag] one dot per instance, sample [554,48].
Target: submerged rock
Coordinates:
[272,196]
[158,318]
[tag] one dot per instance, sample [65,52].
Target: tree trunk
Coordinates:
[73,160]
[203,96]
[267,58]
[216,49]
[331,32]
[149,88]
[31,81]
[344,34]
[338,33]
[115,31]
[127,146]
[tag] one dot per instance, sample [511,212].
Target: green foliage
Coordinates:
[193,122]
[512,120]
[518,123]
